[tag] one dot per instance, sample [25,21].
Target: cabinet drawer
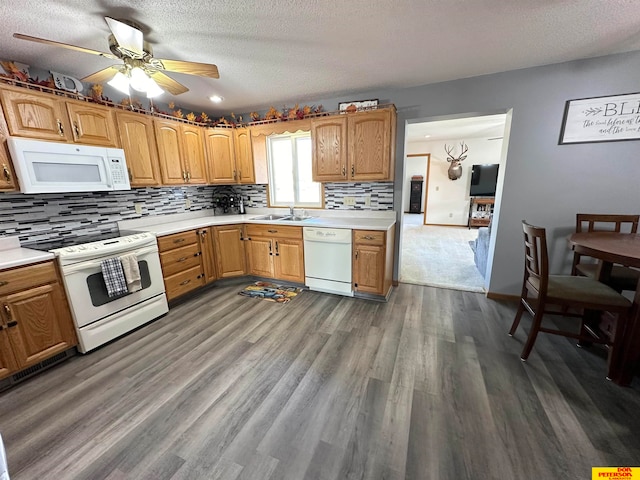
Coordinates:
[368,237]
[180,259]
[276,231]
[183,282]
[26,277]
[176,240]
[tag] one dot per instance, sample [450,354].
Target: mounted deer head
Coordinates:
[455,169]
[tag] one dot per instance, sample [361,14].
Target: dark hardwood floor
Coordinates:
[426,386]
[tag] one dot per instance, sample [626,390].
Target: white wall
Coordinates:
[414,166]
[448,200]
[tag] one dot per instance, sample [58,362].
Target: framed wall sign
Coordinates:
[357,105]
[601,119]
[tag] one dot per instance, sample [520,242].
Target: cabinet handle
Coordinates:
[277,252]
[185,282]
[7,310]
[129,172]
[60,127]
[178,240]
[3,283]
[203,233]
[76,129]
[353,170]
[270,253]
[344,171]
[239,174]
[183,259]
[184,176]
[235,177]
[356,254]
[6,172]
[272,231]
[188,176]
[368,237]
[12,324]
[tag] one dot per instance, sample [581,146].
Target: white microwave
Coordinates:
[52,167]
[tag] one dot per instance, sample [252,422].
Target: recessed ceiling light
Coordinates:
[216,98]
[427,136]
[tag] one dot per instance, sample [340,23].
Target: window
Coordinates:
[290,180]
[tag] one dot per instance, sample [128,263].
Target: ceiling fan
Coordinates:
[139,69]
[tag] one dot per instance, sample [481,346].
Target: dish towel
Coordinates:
[114,277]
[131,272]
[4,469]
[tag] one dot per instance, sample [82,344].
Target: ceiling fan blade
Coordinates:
[103,75]
[191,68]
[64,45]
[167,83]
[128,37]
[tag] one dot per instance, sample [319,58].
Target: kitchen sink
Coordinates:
[295,218]
[272,217]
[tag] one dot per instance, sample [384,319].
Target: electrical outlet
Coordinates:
[187,203]
[367,200]
[349,200]
[138,207]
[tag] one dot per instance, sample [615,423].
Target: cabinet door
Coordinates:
[260,251]
[139,143]
[221,156]
[370,145]
[229,249]
[289,263]
[329,149]
[35,115]
[208,255]
[8,182]
[193,154]
[7,361]
[41,323]
[168,138]
[244,156]
[368,269]
[92,124]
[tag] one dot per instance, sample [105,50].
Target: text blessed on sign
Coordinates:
[601,119]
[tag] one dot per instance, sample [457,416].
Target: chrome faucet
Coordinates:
[291,210]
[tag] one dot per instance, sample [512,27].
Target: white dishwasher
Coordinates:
[327,260]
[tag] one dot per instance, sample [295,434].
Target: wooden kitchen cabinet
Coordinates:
[180,258]
[35,317]
[244,155]
[138,141]
[221,156]
[229,243]
[354,147]
[373,261]
[329,148]
[180,152]
[208,254]
[8,180]
[276,251]
[47,117]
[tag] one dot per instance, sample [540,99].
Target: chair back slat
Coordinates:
[536,255]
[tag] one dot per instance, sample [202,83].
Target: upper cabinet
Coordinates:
[181,153]
[354,147]
[229,156]
[139,143]
[46,117]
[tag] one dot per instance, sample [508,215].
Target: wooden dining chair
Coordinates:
[584,294]
[622,277]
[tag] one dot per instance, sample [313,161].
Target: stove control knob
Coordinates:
[68,249]
[82,247]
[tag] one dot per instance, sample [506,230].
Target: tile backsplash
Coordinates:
[41,217]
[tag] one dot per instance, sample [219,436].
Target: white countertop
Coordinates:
[166,225]
[12,255]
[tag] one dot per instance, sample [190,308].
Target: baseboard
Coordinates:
[502,296]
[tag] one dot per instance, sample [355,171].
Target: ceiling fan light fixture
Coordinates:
[153,89]
[139,79]
[120,82]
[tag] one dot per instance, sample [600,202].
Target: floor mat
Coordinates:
[270,291]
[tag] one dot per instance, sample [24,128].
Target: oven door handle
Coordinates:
[92,264]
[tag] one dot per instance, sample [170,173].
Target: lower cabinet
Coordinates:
[208,254]
[35,319]
[180,258]
[373,261]
[229,243]
[274,251]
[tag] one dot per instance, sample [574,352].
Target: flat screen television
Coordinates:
[484,179]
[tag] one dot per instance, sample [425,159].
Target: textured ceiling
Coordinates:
[274,51]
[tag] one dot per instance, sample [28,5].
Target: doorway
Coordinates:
[437,246]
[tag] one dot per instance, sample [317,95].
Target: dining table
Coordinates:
[624,249]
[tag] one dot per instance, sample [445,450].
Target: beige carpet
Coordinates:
[438,256]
